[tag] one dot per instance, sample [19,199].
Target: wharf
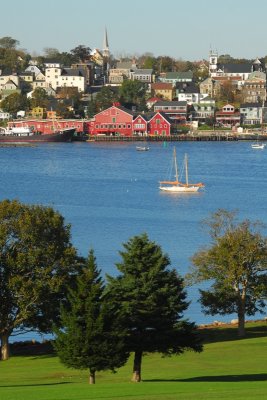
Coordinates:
[196,136]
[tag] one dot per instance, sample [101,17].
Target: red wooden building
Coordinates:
[115,120]
[140,126]
[160,125]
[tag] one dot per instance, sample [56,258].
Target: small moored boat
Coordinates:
[142,148]
[258,145]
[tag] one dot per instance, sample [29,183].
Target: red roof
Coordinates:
[153,99]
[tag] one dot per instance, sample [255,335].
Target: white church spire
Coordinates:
[105,51]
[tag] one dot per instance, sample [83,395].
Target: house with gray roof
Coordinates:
[143,75]
[253,113]
[176,77]
[188,91]
[121,72]
[34,69]
[203,110]
[175,110]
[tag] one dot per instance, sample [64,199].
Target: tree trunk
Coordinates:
[137,366]
[92,377]
[241,316]
[4,347]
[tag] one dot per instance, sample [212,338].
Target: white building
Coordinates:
[4,115]
[65,77]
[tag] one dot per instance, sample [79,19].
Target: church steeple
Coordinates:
[105,50]
[213,61]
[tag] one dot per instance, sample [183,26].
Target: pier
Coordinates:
[192,136]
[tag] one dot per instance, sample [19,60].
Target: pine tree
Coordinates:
[151,300]
[90,337]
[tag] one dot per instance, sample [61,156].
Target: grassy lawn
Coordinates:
[228,368]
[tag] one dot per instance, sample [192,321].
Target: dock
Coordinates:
[192,136]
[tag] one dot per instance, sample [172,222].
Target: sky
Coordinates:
[181,29]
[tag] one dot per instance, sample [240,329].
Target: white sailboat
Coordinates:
[258,145]
[179,187]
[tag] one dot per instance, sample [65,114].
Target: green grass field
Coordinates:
[228,368]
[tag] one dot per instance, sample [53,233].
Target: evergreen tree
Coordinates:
[151,301]
[90,337]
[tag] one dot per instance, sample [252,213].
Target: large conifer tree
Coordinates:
[151,300]
[90,337]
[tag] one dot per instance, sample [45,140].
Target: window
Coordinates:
[113,119]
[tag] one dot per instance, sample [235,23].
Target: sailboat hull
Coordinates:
[180,189]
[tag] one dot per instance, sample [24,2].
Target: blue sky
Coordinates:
[181,29]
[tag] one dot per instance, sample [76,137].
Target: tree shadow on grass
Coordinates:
[229,333]
[217,378]
[35,384]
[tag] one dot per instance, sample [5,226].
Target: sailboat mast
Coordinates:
[175,164]
[186,168]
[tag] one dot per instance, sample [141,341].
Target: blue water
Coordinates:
[108,192]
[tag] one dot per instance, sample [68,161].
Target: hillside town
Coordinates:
[91,91]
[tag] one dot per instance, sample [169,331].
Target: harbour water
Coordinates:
[109,192]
